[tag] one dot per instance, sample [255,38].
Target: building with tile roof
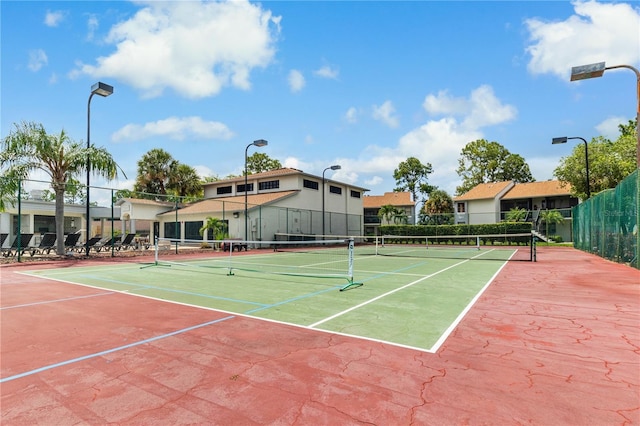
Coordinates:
[491,203]
[278,203]
[372,204]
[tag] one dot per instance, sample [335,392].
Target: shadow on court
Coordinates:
[552,342]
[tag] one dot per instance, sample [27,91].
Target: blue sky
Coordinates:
[361,84]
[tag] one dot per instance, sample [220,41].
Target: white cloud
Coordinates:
[481,109]
[195,48]
[37,59]
[204,171]
[351,116]
[385,114]
[295,163]
[609,127]
[542,167]
[92,26]
[296,81]
[597,32]
[53,19]
[174,128]
[438,141]
[327,72]
[375,180]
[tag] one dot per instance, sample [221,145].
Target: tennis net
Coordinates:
[309,258]
[501,247]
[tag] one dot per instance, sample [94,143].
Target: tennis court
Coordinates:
[403,298]
[185,339]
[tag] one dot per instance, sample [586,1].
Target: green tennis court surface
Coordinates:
[413,302]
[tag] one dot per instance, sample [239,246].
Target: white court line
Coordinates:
[388,293]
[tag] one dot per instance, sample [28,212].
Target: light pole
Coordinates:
[335,167]
[584,72]
[564,139]
[103,90]
[259,143]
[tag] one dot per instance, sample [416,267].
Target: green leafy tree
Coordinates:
[412,176]
[438,209]
[259,162]
[28,148]
[516,214]
[482,161]
[154,171]
[609,163]
[185,182]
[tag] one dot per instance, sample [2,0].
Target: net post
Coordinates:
[351,284]
[155,248]
[533,247]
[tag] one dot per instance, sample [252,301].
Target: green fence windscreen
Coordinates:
[607,224]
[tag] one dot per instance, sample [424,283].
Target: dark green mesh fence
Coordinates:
[607,224]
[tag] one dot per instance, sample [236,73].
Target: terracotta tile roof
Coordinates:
[234,203]
[548,188]
[484,191]
[389,198]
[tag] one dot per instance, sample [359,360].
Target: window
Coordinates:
[460,207]
[192,230]
[311,184]
[224,190]
[172,230]
[355,194]
[270,184]
[240,188]
[335,189]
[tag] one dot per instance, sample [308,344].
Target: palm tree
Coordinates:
[400,217]
[549,217]
[218,226]
[516,214]
[386,212]
[29,148]
[154,170]
[185,182]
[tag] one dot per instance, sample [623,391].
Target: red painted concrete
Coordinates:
[555,342]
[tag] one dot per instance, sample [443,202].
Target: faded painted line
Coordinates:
[119,348]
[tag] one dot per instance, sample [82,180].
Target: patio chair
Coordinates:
[71,242]
[106,243]
[20,245]
[47,243]
[91,243]
[127,242]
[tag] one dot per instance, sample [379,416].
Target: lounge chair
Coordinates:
[106,243]
[47,243]
[19,246]
[91,243]
[127,242]
[71,242]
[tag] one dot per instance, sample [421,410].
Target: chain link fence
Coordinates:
[607,224]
